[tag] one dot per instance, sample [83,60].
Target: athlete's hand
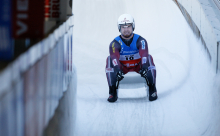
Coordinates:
[143,73]
[120,75]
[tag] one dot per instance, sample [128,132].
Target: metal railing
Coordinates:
[217,3]
[218,59]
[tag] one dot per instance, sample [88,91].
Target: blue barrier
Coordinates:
[6,42]
[31,86]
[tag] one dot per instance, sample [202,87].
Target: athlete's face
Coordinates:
[126,30]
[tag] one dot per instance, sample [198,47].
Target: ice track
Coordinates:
[188,89]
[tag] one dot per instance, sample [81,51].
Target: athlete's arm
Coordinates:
[114,49]
[143,51]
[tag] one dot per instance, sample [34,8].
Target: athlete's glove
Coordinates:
[119,76]
[143,73]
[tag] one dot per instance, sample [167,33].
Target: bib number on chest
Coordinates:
[130,57]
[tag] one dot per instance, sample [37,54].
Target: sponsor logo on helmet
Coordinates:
[125,20]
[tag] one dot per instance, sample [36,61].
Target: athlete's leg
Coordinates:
[151,73]
[151,78]
[147,64]
[111,74]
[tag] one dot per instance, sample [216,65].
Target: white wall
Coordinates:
[205,15]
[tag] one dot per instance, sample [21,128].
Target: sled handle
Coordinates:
[117,84]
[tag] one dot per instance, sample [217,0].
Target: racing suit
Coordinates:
[129,56]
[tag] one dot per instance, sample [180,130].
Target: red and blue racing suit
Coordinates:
[128,57]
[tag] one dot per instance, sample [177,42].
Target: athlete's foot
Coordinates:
[113,96]
[152,93]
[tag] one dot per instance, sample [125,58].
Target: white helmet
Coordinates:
[125,19]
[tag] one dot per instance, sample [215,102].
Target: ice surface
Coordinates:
[188,88]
